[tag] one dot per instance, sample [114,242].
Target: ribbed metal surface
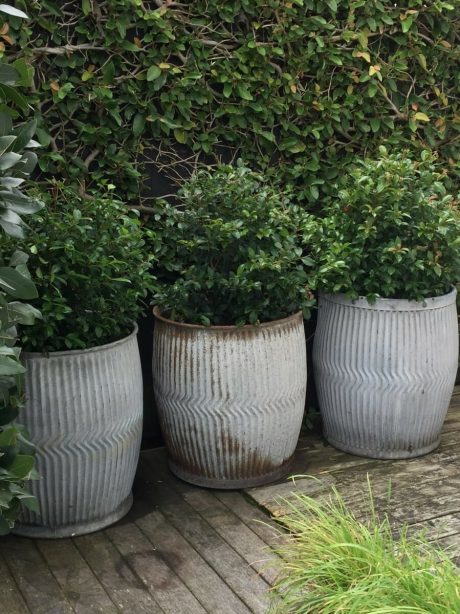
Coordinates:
[385,373]
[84,413]
[231,400]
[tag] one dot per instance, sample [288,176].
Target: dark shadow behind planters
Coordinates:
[311,404]
[151,437]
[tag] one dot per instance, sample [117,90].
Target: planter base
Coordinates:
[224,484]
[75,529]
[383,454]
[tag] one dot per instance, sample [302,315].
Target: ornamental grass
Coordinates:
[335,563]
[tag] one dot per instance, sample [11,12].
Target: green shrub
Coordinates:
[393,231]
[232,251]
[17,162]
[305,85]
[333,563]
[89,261]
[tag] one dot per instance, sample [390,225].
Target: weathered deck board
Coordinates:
[74,576]
[185,549]
[243,580]
[246,543]
[352,481]
[124,587]
[252,516]
[11,599]
[35,580]
[207,586]
[441,527]
[241,537]
[170,592]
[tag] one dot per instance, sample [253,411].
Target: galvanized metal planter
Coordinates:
[231,399]
[84,412]
[385,373]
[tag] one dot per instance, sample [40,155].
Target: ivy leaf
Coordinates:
[153,73]
[422,60]
[407,23]
[363,54]
[44,137]
[64,90]
[332,4]
[25,72]
[314,192]
[243,92]
[138,124]
[372,90]
[227,91]
[180,136]
[293,145]
[116,116]
[267,135]
[422,117]
[375,124]
[86,7]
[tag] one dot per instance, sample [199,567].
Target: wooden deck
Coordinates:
[188,550]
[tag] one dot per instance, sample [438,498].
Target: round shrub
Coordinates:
[233,251]
[393,231]
[89,262]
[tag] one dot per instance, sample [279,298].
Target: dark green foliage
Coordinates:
[233,252]
[17,161]
[393,232]
[91,270]
[303,85]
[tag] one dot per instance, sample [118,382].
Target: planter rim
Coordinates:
[228,328]
[96,348]
[393,304]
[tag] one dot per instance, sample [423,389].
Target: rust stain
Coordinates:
[235,463]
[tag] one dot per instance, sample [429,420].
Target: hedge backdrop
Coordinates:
[128,89]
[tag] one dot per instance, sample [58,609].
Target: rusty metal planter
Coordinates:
[84,412]
[231,399]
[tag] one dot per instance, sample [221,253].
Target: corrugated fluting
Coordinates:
[385,373]
[84,413]
[231,399]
